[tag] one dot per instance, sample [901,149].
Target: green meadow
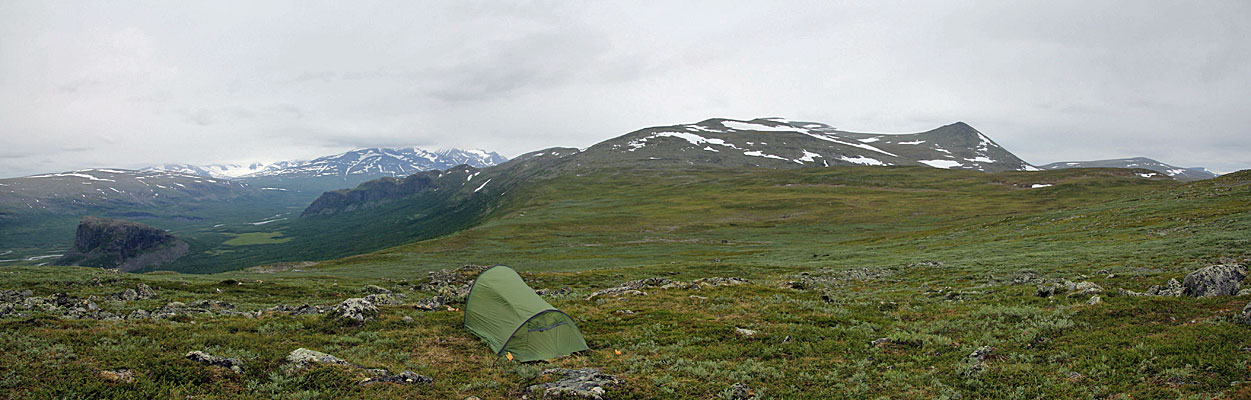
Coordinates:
[937,263]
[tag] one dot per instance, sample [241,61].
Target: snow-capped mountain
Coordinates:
[382,162]
[1178,173]
[114,188]
[223,171]
[374,161]
[776,142]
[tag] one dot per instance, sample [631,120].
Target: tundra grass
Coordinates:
[598,231]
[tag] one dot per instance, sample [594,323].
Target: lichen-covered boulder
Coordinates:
[357,310]
[1216,280]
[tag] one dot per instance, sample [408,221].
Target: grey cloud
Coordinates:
[1050,80]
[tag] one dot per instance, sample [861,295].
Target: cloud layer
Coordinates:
[135,84]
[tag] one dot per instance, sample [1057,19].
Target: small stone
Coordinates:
[1086,288]
[1095,300]
[128,295]
[121,376]
[745,332]
[1075,375]
[234,364]
[143,291]
[879,341]
[1045,291]
[407,318]
[303,357]
[738,391]
[586,383]
[624,312]
[698,297]
[1245,317]
[403,378]
[981,353]
[375,289]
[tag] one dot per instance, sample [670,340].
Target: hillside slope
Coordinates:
[1181,174]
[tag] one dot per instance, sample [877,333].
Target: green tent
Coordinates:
[511,318]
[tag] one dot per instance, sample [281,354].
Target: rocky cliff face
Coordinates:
[125,245]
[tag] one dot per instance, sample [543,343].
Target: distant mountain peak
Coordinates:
[1178,173]
[373,161]
[780,142]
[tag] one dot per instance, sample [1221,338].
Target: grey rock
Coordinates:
[143,291]
[212,305]
[879,341]
[981,353]
[585,383]
[430,304]
[738,391]
[745,332]
[375,289]
[403,378]
[1171,289]
[1047,290]
[356,309]
[1216,280]
[624,312]
[234,364]
[120,376]
[719,281]
[1244,292]
[303,357]
[631,287]
[1085,288]
[554,292]
[383,299]
[407,318]
[1095,300]
[303,309]
[1245,317]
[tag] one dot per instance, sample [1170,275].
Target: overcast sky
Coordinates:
[130,84]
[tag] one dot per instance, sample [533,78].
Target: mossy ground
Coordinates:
[600,230]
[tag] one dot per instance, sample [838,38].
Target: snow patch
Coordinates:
[862,160]
[828,138]
[808,156]
[947,164]
[755,153]
[912,142]
[483,185]
[71,174]
[1040,185]
[869,140]
[687,136]
[747,126]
